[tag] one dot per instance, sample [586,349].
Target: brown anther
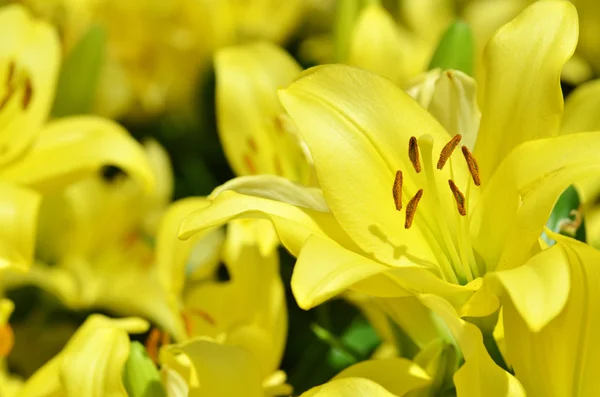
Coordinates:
[280,124]
[472,164]
[252,144]
[187,323]
[165,339]
[152,344]
[11,73]
[7,95]
[413,153]
[411,209]
[397,190]
[27,94]
[203,315]
[7,340]
[448,150]
[278,168]
[459,197]
[249,164]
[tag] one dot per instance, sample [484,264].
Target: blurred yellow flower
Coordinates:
[40,158]
[157,50]
[91,364]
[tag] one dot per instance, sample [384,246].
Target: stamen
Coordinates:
[152,344]
[447,151]
[252,144]
[249,164]
[7,340]
[472,164]
[459,197]
[27,93]
[411,209]
[397,190]
[413,153]
[7,95]
[11,73]
[278,168]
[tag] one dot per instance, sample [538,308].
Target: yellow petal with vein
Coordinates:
[248,110]
[522,98]
[76,147]
[516,203]
[563,357]
[295,211]
[34,51]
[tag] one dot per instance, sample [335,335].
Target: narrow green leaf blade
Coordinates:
[79,75]
[456,49]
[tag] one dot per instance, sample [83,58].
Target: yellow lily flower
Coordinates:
[362,239]
[156,49]
[91,364]
[242,319]
[96,234]
[256,133]
[37,158]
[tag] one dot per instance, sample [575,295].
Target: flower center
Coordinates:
[447,230]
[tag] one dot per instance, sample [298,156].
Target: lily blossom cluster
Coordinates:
[414,215]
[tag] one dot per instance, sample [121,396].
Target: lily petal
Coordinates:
[18,215]
[563,357]
[522,96]
[479,376]
[516,203]
[438,14]
[76,147]
[398,375]
[349,387]
[294,221]
[253,136]
[357,149]
[171,253]
[324,269]
[34,51]
[221,370]
[539,289]
[378,44]
[581,109]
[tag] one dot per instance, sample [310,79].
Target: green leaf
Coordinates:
[140,375]
[346,12]
[566,218]
[456,49]
[79,75]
